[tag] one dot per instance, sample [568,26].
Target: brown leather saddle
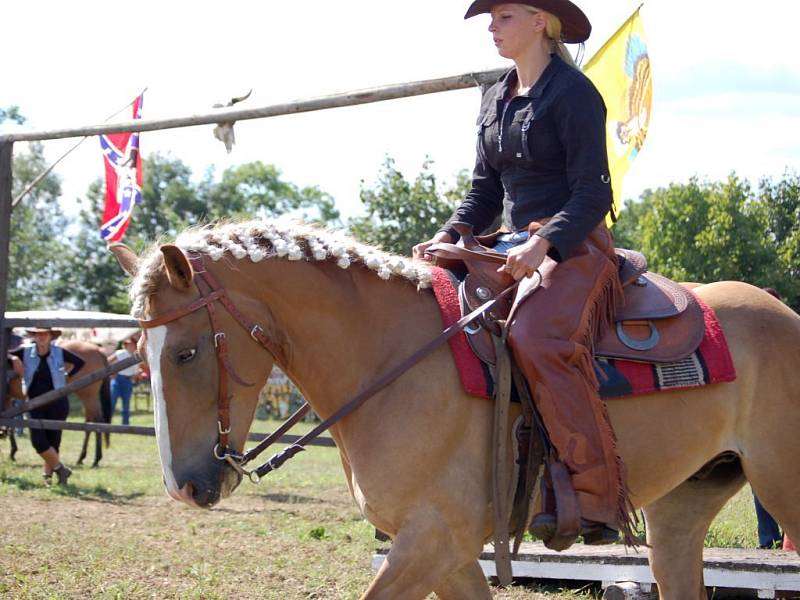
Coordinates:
[661,321]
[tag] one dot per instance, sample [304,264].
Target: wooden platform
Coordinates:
[765,571]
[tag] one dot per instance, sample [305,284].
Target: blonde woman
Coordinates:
[542,164]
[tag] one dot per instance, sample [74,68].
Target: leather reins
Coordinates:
[211,292]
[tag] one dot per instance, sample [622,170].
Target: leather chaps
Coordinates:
[551,334]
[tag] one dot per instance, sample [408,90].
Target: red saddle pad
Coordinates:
[711,363]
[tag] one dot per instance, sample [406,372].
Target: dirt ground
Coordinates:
[113,533]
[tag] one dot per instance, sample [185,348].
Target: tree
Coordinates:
[11,113]
[781,203]
[171,202]
[36,244]
[400,214]
[713,231]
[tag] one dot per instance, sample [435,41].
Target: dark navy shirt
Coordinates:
[541,155]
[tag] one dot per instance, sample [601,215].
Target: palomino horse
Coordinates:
[337,315]
[95,398]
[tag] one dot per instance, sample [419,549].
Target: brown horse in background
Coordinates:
[417,455]
[14,391]
[95,398]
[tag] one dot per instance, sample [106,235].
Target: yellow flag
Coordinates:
[621,72]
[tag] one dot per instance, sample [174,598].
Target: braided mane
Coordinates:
[283,238]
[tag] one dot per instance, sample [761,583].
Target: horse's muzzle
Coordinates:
[206,489]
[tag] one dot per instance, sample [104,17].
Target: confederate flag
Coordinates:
[123,178]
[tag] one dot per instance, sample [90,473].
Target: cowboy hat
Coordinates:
[53,332]
[575,26]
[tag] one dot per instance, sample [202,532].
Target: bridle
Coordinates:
[210,292]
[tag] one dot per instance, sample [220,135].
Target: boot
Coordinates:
[543,526]
[63,473]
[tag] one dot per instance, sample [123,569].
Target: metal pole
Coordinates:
[377,94]
[6,154]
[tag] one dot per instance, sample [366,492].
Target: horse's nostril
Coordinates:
[203,496]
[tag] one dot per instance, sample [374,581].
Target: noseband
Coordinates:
[210,292]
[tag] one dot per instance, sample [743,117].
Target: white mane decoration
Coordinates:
[282,238]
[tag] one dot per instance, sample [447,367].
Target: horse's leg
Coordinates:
[12,438]
[676,528]
[777,486]
[468,583]
[98,448]
[105,405]
[83,448]
[425,553]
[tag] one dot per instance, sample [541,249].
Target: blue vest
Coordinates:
[55,360]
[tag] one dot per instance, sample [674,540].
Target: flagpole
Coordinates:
[612,36]
[44,173]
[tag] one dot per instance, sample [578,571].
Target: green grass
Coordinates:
[113,533]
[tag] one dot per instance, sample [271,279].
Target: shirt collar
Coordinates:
[509,79]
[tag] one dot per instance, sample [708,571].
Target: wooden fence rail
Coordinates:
[138,430]
[354,98]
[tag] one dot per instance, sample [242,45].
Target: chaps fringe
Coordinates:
[600,319]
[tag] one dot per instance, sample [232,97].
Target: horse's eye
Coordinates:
[185,356]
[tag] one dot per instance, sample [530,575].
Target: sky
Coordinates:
[726,83]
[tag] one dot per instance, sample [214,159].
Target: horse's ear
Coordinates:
[126,258]
[179,271]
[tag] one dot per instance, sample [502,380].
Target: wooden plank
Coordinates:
[354,98]
[761,570]
[53,395]
[6,158]
[324,441]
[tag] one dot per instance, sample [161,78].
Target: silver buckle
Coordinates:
[217,336]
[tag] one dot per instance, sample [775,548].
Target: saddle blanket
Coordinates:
[710,363]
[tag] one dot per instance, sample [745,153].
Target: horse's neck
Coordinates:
[344,327]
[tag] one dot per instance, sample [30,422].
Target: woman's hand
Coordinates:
[523,260]
[419,250]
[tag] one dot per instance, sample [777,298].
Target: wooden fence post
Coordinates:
[6,154]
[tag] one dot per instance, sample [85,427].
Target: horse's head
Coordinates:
[200,356]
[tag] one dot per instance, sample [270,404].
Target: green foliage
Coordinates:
[37,251]
[11,113]
[171,202]
[400,214]
[716,231]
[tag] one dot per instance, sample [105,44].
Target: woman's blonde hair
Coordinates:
[552,30]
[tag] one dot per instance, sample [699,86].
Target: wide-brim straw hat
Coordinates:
[54,333]
[575,26]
